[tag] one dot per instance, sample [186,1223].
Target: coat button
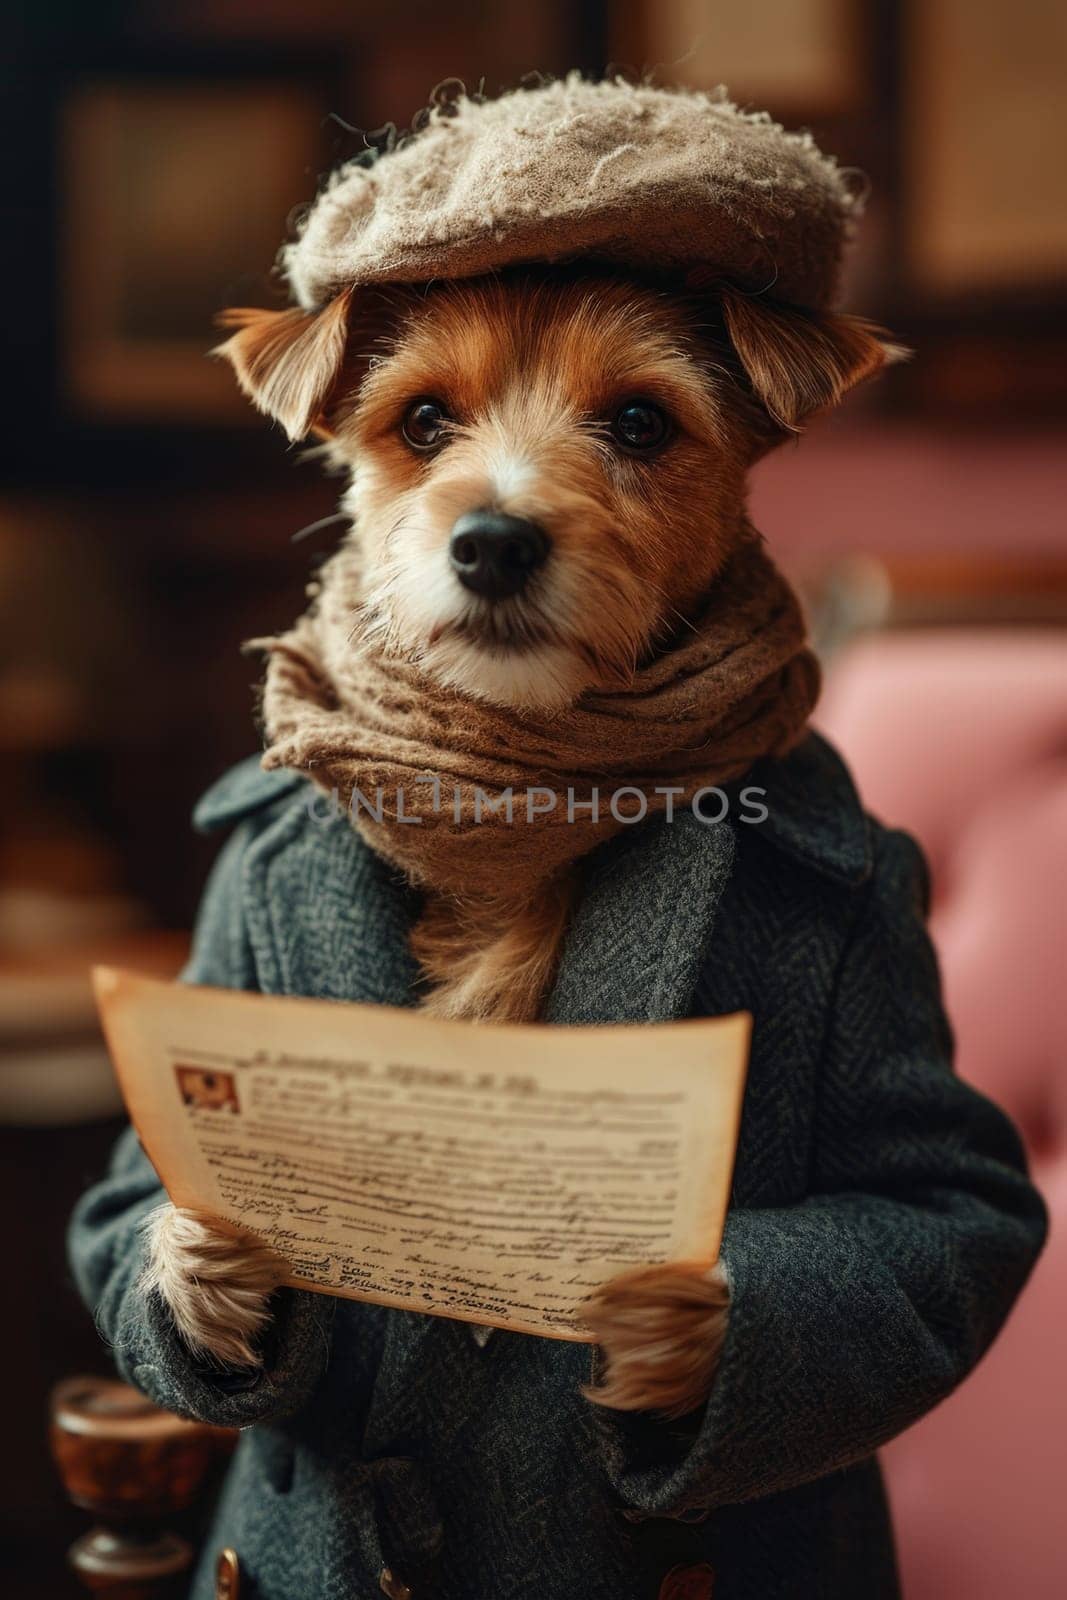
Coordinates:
[688,1583]
[227,1576]
[392,1586]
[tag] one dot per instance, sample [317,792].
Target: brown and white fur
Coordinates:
[530,372]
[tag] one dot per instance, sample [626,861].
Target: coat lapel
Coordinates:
[329,918]
[644,918]
[336,919]
[333,917]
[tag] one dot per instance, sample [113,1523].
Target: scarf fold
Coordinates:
[426,772]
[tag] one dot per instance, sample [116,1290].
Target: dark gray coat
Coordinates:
[881,1226]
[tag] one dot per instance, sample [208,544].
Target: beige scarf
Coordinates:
[486,808]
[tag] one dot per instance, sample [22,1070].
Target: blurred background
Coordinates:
[152,154]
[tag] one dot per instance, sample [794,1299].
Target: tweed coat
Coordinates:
[881,1226]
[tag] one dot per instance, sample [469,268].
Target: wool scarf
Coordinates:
[477,802]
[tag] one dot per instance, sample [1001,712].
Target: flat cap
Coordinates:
[671,180]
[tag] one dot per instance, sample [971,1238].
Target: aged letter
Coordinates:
[495,1174]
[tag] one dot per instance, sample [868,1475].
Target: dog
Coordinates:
[548,468]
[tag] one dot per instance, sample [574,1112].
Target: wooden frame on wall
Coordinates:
[802,57]
[175,189]
[983,147]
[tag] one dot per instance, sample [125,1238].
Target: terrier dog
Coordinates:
[548,468]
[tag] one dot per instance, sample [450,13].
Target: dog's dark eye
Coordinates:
[640,426]
[424,424]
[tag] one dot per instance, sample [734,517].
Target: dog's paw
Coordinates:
[216,1282]
[661,1331]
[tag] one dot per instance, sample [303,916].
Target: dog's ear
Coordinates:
[288,361]
[798,361]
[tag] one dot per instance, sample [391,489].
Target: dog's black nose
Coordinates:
[493,554]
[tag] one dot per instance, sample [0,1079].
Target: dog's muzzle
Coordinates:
[494,554]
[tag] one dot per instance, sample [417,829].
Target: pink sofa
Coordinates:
[960,736]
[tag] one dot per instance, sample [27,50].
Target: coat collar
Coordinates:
[643,922]
[813,811]
[330,918]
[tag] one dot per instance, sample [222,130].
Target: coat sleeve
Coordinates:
[106,1247]
[858,1310]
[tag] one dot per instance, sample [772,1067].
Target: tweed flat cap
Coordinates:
[632,175]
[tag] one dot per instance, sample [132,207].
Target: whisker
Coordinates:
[323,522]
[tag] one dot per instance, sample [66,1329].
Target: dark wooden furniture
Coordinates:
[135,1468]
